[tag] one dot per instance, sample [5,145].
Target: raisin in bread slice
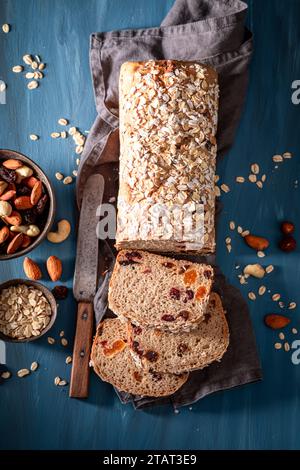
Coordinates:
[113,362]
[159,292]
[168,352]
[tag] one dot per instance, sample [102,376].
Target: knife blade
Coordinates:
[85,284]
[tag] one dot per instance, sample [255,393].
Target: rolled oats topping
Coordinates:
[24,311]
[168,123]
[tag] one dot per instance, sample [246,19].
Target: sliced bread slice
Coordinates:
[113,362]
[159,292]
[168,352]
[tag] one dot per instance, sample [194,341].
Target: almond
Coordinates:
[3,186]
[8,195]
[31,269]
[13,219]
[12,164]
[15,244]
[30,181]
[26,241]
[257,243]
[23,202]
[275,321]
[54,268]
[36,193]
[4,234]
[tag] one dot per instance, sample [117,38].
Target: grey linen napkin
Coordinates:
[213,32]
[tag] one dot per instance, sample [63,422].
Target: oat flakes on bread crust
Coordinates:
[168,352]
[113,362]
[159,292]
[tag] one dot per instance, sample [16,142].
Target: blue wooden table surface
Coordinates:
[34,414]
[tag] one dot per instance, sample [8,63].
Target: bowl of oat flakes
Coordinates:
[27,310]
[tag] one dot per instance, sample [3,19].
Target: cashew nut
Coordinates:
[5,208]
[30,230]
[63,231]
[24,171]
[255,270]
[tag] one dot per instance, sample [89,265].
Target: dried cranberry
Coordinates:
[168,317]
[189,294]
[133,254]
[137,376]
[136,348]
[184,314]
[287,227]
[29,216]
[103,343]
[182,348]
[60,292]
[126,262]
[41,205]
[7,175]
[288,243]
[151,356]
[168,265]
[207,274]
[175,293]
[155,375]
[137,330]
[23,190]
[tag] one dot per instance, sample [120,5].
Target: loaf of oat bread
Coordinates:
[168,352]
[113,362]
[168,123]
[159,292]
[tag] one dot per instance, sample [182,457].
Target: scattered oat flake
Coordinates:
[269,268]
[55,135]
[32,85]
[62,383]
[75,173]
[68,180]
[34,65]
[34,137]
[217,191]
[262,290]
[294,331]
[50,340]
[252,296]
[23,372]
[29,75]
[286,347]
[34,366]
[64,342]
[287,155]
[240,179]
[2,87]
[112,199]
[277,158]
[277,345]
[229,247]
[245,233]
[275,297]
[255,168]
[63,135]
[259,184]
[68,359]
[243,280]
[231,225]
[59,176]
[292,305]
[252,178]
[42,66]
[261,254]
[263,178]
[217,177]
[17,68]
[6,28]
[281,336]
[6,375]
[62,333]
[79,149]
[225,188]
[240,229]
[63,122]
[281,304]
[57,380]
[72,130]
[77,161]
[227,240]
[27,59]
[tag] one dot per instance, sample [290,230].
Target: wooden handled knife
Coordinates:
[85,284]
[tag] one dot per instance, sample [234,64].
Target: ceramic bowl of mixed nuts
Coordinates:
[27,205]
[27,310]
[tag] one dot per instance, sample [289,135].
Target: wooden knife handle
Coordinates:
[80,376]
